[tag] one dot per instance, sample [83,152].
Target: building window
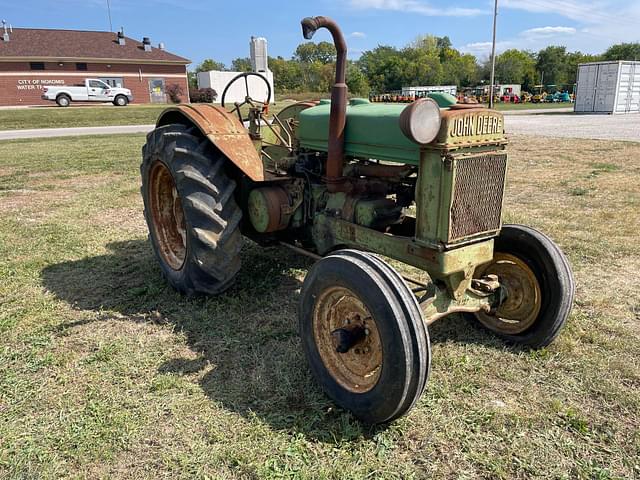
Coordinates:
[37,65]
[81,66]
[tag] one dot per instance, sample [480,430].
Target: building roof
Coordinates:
[47,44]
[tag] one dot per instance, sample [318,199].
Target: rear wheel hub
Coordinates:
[168,216]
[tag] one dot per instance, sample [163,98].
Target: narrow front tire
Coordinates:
[363,336]
[538,283]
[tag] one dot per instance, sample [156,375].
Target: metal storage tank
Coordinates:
[258,51]
[608,87]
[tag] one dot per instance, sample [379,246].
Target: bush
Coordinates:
[175,92]
[202,95]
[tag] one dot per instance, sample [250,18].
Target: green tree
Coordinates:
[458,69]
[357,81]
[385,68]
[551,65]
[241,65]
[287,74]
[573,59]
[516,66]
[310,52]
[622,51]
[210,64]
[420,66]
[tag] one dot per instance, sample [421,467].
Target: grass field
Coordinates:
[87,116]
[105,372]
[78,116]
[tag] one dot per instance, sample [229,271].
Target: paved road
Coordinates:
[70,132]
[538,111]
[604,127]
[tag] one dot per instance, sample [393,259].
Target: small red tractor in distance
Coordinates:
[344,182]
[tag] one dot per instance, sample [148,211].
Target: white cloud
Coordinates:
[595,25]
[415,6]
[548,31]
[358,34]
[582,11]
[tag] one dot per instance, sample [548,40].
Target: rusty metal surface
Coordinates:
[469,127]
[338,113]
[477,195]
[268,209]
[523,295]
[356,362]
[224,131]
[168,216]
[438,303]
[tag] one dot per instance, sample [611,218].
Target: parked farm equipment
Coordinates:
[344,182]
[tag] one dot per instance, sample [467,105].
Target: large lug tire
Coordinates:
[353,301]
[539,287]
[190,210]
[63,101]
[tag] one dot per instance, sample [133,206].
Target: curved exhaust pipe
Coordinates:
[338,115]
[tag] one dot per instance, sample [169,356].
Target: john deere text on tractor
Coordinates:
[421,183]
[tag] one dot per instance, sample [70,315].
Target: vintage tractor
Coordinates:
[344,182]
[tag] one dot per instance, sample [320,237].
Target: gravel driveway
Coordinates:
[604,127]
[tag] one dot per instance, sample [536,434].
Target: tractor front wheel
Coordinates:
[363,335]
[538,283]
[190,210]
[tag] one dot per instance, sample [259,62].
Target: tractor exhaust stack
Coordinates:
[337,118]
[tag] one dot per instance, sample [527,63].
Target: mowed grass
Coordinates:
[105,372]
[90,115]
[79,116]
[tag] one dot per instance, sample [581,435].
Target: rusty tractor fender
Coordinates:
[223,130]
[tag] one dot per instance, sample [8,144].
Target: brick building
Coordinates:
[33,58]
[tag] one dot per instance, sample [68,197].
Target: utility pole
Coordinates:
[493,55]
[109,10]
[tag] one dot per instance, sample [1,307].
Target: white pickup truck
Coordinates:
[93,90]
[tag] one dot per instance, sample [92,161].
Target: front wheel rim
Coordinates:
[168,216]
[357,370]
[523,300]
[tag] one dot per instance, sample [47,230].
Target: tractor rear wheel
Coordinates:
[190,210]
[363,335]
[539,287]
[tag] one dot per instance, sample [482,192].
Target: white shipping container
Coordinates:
[608,87]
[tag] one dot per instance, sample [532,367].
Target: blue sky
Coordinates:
[221,29]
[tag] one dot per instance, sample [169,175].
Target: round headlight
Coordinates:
[420,121]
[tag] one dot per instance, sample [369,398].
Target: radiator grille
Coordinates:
[477,196]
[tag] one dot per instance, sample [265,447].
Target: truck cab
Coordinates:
[93,90]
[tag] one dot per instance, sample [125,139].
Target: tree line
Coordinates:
[428,60]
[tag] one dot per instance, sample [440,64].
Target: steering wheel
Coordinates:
[247,99]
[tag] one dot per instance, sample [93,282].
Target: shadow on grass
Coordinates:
[249,334]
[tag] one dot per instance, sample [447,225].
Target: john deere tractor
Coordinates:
[350,183]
